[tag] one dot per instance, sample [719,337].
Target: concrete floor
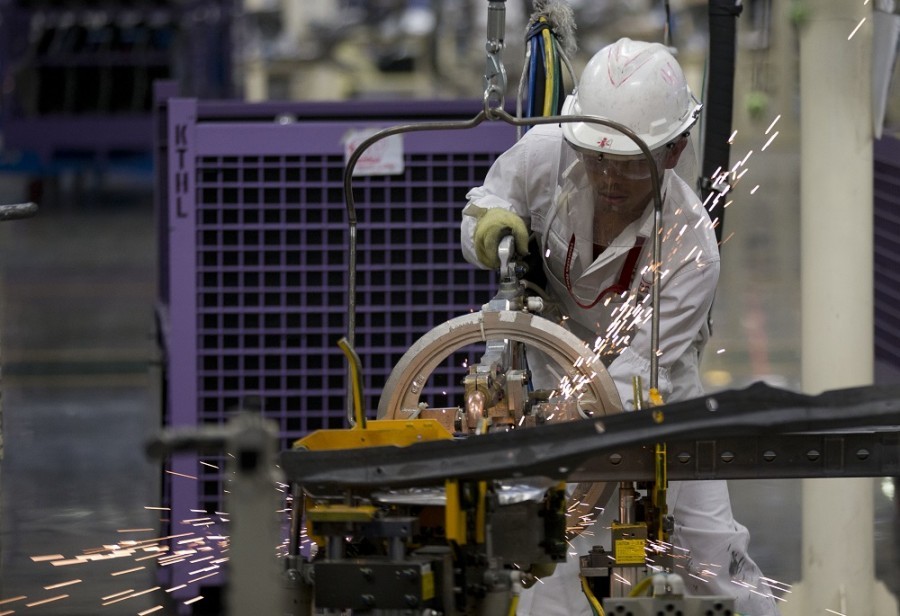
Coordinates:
[79,399]
[81,396]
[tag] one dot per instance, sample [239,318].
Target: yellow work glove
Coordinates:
[492,226]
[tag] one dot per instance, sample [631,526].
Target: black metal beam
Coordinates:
[556,451]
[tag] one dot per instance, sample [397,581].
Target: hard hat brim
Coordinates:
[604,138]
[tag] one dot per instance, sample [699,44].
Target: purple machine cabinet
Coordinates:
[254,266]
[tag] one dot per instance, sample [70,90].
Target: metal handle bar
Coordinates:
[497,113]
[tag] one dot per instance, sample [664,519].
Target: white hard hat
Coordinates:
[637,84]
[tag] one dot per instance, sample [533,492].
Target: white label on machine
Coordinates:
[383,157]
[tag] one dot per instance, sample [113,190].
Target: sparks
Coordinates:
[125,571]
[61,584]
[13,599]
[45,601]
[858,26]
[39,559]
[130,596]
[780,586]
[181,475]
[769,141]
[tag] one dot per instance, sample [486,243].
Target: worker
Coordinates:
[585,192]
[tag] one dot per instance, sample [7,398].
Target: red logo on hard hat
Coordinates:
[605,143]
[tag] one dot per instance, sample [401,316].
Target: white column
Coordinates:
[836,291]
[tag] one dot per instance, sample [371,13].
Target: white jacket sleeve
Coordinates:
[686,296]
[520,180]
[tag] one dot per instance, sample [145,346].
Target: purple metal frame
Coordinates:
[256,246]
[887,249]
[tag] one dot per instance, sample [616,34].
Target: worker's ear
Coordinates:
[674,151]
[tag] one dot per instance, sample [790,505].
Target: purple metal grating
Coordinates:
[887,250]
[257,258]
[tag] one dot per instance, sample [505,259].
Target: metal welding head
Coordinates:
[639,85]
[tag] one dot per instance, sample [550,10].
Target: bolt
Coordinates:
[768,456]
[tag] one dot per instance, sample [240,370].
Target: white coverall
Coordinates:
[524,180]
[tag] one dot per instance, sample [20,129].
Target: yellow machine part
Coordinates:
[629,544]
[456,515]
[340,513]
[319,513]
[377,433]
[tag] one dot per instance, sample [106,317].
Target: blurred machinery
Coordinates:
[78,77]
[403,517]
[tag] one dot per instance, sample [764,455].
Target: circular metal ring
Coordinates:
[599,396]
[596,390]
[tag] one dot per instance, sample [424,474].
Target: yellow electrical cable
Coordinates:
[557,81]
[549,80]
[595,605]
[640,587]
[513,605]
[355,369]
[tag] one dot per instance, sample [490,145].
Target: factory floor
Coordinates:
[80,395]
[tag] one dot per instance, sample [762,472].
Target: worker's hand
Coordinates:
[536,572]
[492,226]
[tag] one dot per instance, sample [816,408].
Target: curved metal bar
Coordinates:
[404,385]
[493,114]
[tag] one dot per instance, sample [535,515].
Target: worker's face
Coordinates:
[623,185]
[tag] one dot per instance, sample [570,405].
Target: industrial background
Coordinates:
[105,105]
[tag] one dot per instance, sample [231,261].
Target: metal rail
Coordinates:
[563,450]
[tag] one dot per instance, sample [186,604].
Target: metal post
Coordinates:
[836,291]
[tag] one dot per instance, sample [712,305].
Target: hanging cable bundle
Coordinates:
[549,40]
